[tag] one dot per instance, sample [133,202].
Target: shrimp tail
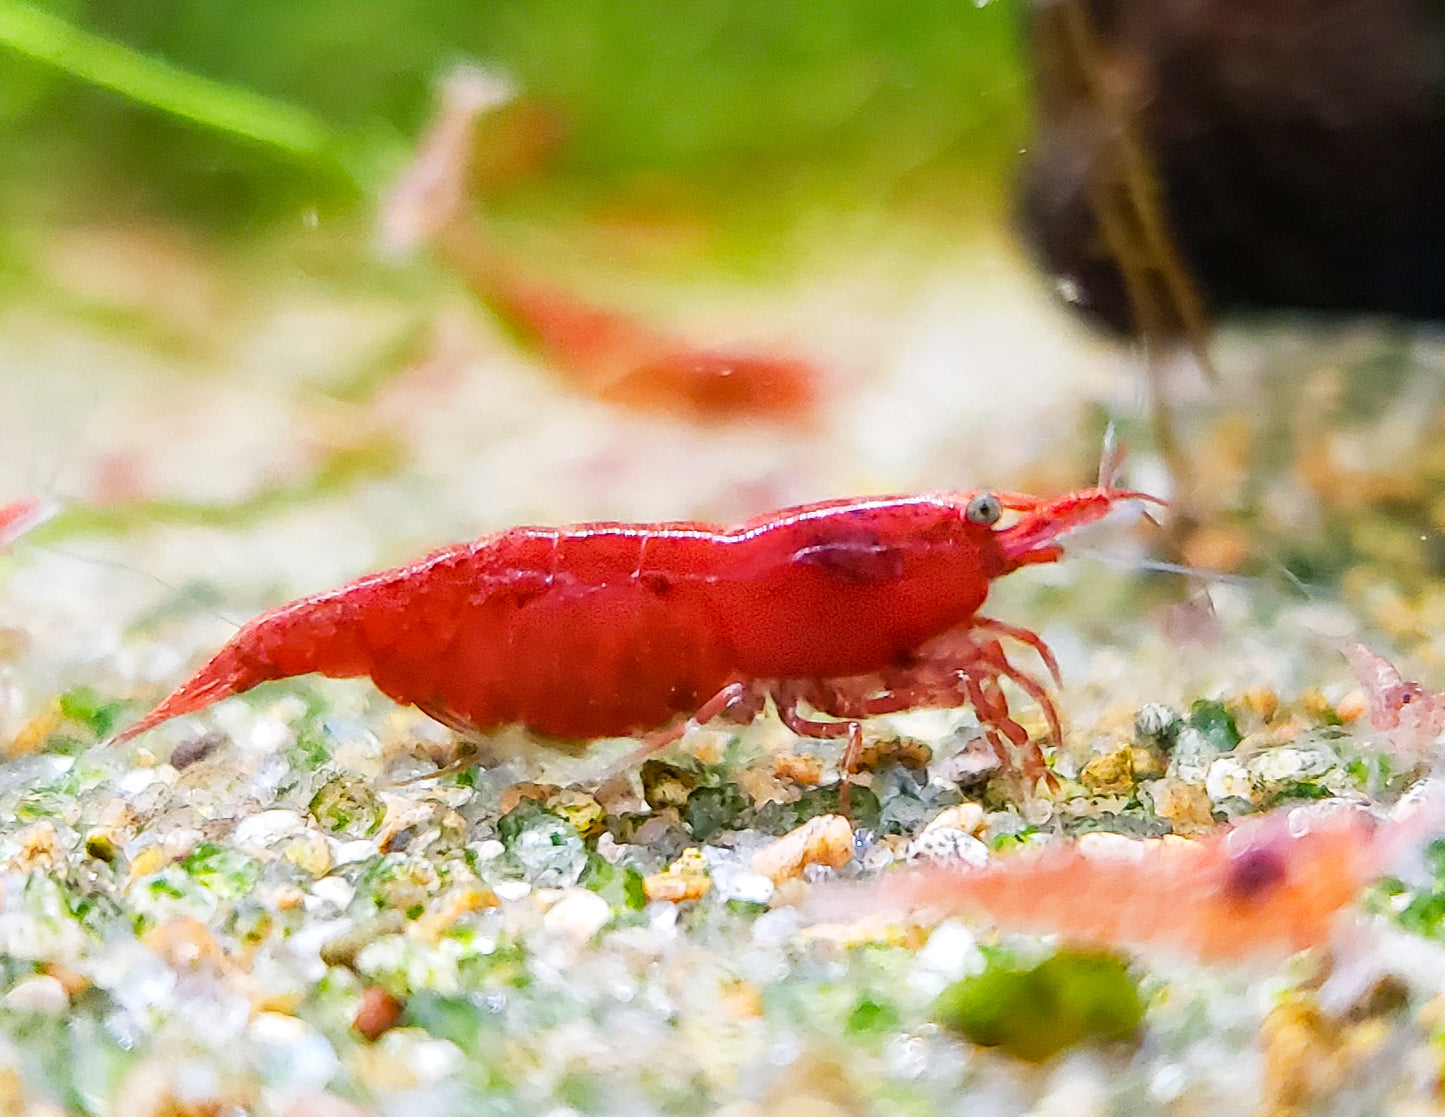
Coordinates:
[319,634]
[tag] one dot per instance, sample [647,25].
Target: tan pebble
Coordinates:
[763,786]
[117,814]
[187,945]
[147,861]
[742,1000]
[1261,701]
[799,768]
[513,796]
[35,732]
[286,1002]
[579,915]
[1147,765]
[893,749]
[40,849]
[583,811]
[1316,705]
[825,840]
[72,981]
[1111,774]
[709,747]
[13,1094]
[1309,1055]
[311,854]
[377,1014]
[676,887]
[690,860]
[449,909]
[287,898]
[1353,706]
[967,817]
[1185,806]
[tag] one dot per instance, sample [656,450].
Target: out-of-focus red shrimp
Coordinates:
[844,609]
[607,353]
[1264,888]
[19,516]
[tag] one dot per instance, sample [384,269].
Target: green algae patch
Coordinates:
[1033,1014]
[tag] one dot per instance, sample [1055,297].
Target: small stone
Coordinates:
[342,949]
[311,854]
[258,832]
[580,809]
[195,750]
[1156,724]
[188,946]
[737,882]
[1228,779]
[1353,707]
[39,993]
[1111,774]
[287,897]
[451,908]
[685,879]
[377,1014]
[578,915]
[943,845]
[799,767]
[1262,702]
[675,887]
[1193,754]
[890,748]
[1185,806]
[40,849]
[968,817]
[742,1000]
[1288,765]
[1102,845]
[823,840]
[102,845]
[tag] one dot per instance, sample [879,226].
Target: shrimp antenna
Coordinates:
[1159,566]
[112,564]
[1111,456]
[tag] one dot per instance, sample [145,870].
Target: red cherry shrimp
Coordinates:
[838,611]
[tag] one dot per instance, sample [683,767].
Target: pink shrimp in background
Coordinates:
[1265,888]
[19,516]
[1411,717]
[607,353]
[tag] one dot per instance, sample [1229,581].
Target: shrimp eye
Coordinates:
[983,509]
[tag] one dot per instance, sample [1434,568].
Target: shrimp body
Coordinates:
[1267,887]
[851,607]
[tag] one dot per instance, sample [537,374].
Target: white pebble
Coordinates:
[579,915]
[267,827]
[1228,779]
[332,891]
[944,845]
[40,993]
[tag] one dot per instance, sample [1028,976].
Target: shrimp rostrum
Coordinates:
[837,611]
